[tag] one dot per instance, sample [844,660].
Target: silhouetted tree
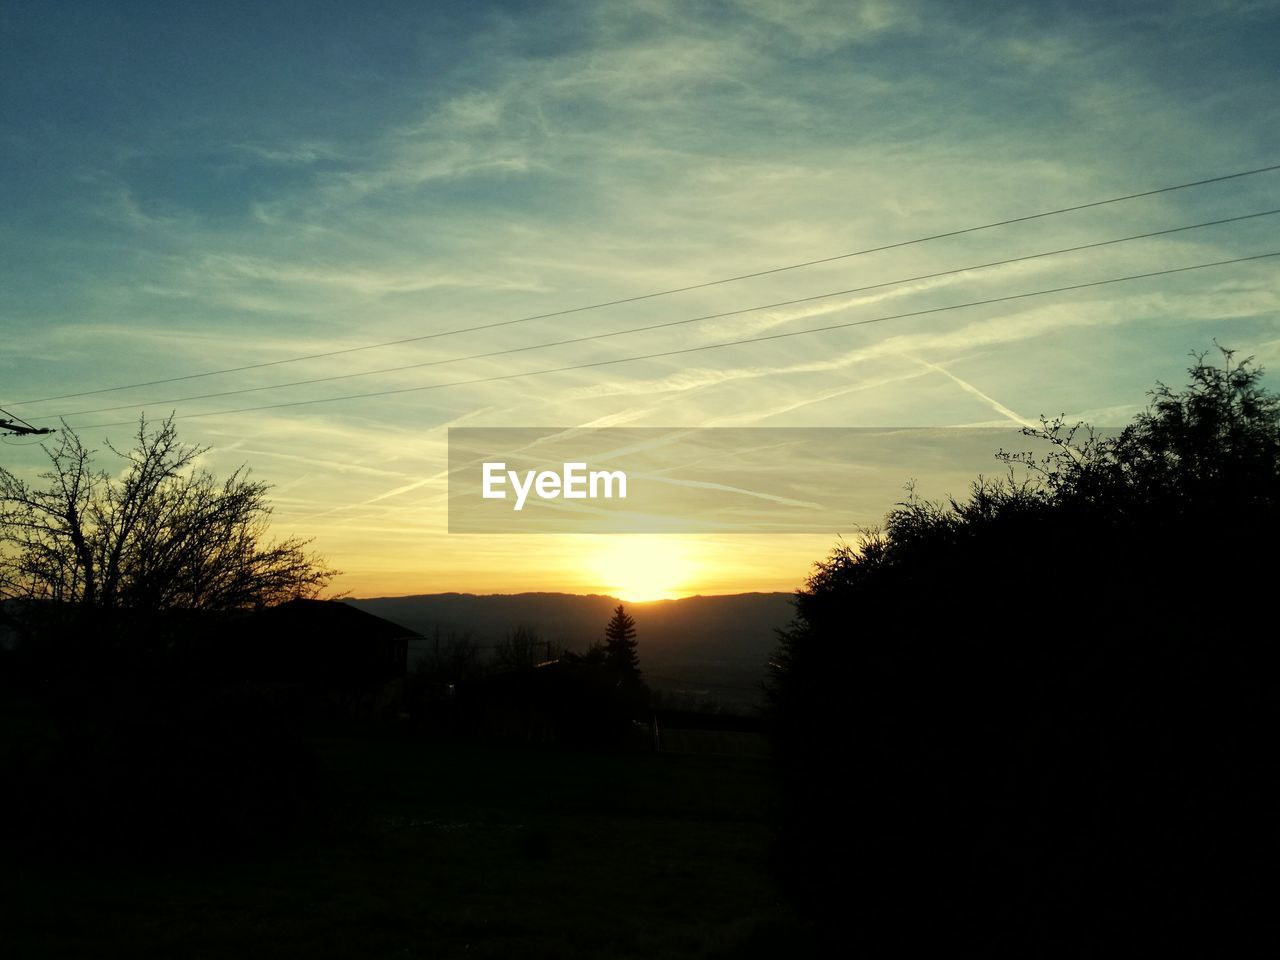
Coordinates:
[620,647]
[437,681]
[592,705]
[1212,448]
[162,535]
[522,649]
[129,577]
[1022,721]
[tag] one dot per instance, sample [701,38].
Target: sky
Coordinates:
[189,187]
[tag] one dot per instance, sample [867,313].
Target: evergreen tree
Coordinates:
[620,647]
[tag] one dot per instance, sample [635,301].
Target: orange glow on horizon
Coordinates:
[634,568]
[639,568]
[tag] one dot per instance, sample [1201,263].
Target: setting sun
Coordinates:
[639,568]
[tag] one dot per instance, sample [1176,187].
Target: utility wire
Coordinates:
[667,323]
[15,418]
[709,346]
[673,290]
[19,427]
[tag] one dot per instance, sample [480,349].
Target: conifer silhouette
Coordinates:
[620,647]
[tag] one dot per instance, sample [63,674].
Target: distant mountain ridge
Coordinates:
[732,629]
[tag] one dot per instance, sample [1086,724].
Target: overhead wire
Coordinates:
[670,291]
[658,326]
[712,346]
[15,418]
[670,323]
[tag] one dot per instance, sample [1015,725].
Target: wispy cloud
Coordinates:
[529,160]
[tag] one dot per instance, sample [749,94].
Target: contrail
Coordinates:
[968,387]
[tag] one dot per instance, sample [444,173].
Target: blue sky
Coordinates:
[188,187]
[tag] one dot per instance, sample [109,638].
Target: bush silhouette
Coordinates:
[1012,722]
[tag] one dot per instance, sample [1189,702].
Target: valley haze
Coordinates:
[714,649]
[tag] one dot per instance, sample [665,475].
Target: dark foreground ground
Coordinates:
[449,851]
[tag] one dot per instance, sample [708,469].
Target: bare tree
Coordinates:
[522,649]
[162,534]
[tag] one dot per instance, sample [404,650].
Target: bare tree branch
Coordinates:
[161,536]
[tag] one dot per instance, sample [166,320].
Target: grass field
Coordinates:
[450,851]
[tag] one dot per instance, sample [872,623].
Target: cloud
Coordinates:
[118,205]
[540,159]
[368,282]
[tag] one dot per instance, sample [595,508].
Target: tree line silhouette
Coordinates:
[532,690]
[1036,720]
[162,661]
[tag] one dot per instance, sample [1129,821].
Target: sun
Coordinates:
[637,568]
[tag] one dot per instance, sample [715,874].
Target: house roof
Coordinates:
[321,618]
[324,640]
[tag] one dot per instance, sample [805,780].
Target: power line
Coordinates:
[34,442]
[710,346]
[673,290]
[10,424]
[664,324]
